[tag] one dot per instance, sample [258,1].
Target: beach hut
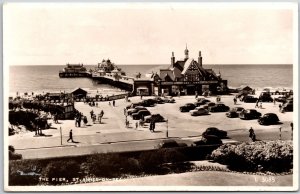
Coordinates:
[79,93]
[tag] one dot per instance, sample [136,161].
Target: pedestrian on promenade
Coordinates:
[280,107]
[260,105]
[234,100]
[252,134]
[109,103]
[150,126]
[153,126]
[274,101]
[79,120]
[256,105]
[136,125]
[70,136]
[102,113]
[94,118]
[99,117]
[114,102]
[76,121]
[85,121]
[92,113]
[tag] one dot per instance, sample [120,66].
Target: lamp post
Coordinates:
[167,133]
[60,136]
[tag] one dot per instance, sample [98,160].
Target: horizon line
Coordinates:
[161,64]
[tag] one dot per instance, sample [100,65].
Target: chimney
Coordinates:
[172,60]
[200,59]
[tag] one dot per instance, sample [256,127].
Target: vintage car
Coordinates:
[154,118]
[140,114]
[136,109]
[287,107]
[249,114]
[250,99]
[170,143]
[187,107]
[169,99]
[207,105]
[215,131]
[202,101]
[220,107]
[158,100]
[234,112]
[281,99]
[265,97]
[268,119]
[198,111]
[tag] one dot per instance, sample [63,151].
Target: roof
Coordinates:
[79,90]
[166,74]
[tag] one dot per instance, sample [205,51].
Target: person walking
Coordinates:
[256,105]
[234,100]
[85,121]
[92,113]
[70,136]
[153,126]
[114,103]
[252,134]
[136,125]
[150,126]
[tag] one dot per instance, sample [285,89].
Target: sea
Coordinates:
[44,78]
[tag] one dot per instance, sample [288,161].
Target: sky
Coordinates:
[56,34]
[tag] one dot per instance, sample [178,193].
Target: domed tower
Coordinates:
[186,53]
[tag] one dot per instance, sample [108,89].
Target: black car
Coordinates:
[170,143]
[148,103]
[281,99]
[154,118]
[250,99]
[265,97]
[215,131]
[140,114]
[209,140]
[235,112]
[158,100]
[187,107]
[219,108]
[202,101]
[268,119]
[288,107]
[249,114]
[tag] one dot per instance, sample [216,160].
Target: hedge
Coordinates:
[273,156]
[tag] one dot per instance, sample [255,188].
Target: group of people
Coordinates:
[80,117]
[94,116]
[113,103]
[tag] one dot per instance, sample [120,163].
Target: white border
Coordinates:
[191,5]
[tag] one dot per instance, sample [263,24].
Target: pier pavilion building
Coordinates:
[188,77]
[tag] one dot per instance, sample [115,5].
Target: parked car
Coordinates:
[169,99]
[207,105]
[140,114]
[209,140]
[265,97]
[198,111]
[268,119]
[234,112]
[187,107]
[215,131]
[158,100]
[136,109]
[287,107]
[202,101]
[250,99]
[133,105]
[220,107]
[249,114]
[281,99]
[170,143]
[155,118]
[148,103]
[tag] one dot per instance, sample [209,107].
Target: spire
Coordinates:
[186,52]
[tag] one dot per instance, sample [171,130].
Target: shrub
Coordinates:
[274,156]
[106,165]
[62,169]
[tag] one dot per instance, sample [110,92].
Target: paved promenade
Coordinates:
[100,137]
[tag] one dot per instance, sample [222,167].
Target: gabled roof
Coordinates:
[79,90]
[166,73]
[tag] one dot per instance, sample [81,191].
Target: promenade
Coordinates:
[112,135]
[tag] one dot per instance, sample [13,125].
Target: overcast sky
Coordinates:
[55,34]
